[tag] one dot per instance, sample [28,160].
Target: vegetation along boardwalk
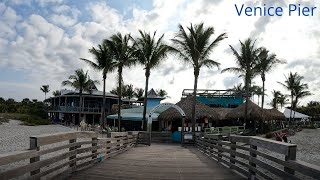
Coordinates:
[159,161]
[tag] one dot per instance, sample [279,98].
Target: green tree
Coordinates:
[81,81]
[138,93]
[2,100]
[290,84]
[56,93]
[150,51]
[129,91]
[45,89]
[266,62]
[246,60]
[123,54]
[275,100]
[259,92]
[25,101]
[162,93]
[300,91]
[103,62]
[194,46]
[282,100]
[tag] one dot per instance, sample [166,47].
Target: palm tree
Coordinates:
[138,93]
[103,62]
[129,92]
[150,52]
[300,91]
[266,62]
[194,47]
[45,89]
[124,56]
[275,99]
[259,92]
[81,81]
[246,61]
[56,93]
[162,93]
[282,100]
[290,84]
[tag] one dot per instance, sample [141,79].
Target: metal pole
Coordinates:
[149,128]
[182,131]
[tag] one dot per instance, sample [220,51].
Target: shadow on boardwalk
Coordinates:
[158,161]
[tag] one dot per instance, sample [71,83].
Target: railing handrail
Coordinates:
[232,149]
[100,149]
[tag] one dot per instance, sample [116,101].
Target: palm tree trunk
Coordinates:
[291,108]
[103,114]
[247,102]
[119,97]
[262,98]
[145,97]
[196,75]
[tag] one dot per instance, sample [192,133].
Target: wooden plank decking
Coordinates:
[158,161]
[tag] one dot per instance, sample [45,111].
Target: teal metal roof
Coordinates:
[135,114]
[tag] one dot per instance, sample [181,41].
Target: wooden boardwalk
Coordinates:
[158,161]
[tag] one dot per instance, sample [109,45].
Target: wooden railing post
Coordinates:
[292,151]
[93,145]
[220,145]
[233,149]
[71,149]
[34,146]
[253,155]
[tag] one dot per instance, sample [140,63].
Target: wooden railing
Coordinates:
[59,154]
[256,157]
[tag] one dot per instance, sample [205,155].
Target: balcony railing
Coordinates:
[75,109]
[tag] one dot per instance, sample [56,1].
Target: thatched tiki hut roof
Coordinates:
[274,114]
[254,112]
[186,105]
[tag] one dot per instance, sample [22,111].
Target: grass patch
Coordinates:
[27,119]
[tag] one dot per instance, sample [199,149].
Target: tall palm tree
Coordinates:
[194,46]
[259,92]
[103,62]
[246,61]
[290,84]
[45,89]
[266,62]
[300,91]
[123,54]
[81,81]
[275,99]
[282,100]
[150,51]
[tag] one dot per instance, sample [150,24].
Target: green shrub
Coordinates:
[27,119]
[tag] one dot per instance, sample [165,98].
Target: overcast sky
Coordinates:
[41,42]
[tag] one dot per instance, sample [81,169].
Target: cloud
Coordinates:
[47,43]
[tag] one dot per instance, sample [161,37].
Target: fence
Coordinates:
[62,153]
[256,157]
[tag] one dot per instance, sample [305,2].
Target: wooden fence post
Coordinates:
[71,149]
[93,145]
[34,146]
[253,155]
[219,151]
[292,151]
[233,149]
